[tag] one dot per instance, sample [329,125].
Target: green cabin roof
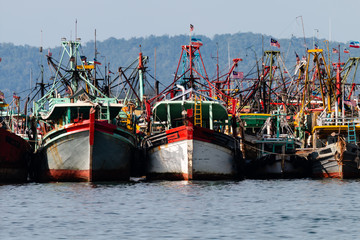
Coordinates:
[176,107]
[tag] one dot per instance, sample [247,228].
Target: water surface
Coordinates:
[250,209]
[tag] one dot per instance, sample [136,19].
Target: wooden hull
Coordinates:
[336,161]
[192,153]
[15,155]
[87,151]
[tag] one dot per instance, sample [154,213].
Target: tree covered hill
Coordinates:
[20,65]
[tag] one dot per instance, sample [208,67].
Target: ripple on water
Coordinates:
[249,209]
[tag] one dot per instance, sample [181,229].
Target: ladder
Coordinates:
[198,113]
[351,133]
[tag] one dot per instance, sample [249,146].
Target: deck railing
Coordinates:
[328,121]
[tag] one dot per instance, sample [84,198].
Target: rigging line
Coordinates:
[23,91]
[155,79]
[281,33]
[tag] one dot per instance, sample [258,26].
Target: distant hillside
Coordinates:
[19,62]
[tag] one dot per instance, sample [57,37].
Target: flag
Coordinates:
[354,44]
[191,27]
[297,57]
[316,46]
[274,43]
[346,50]
[96,62]
[83,58]
[335,50]
[0,59]
[238,75]
[196,41]
[49,53]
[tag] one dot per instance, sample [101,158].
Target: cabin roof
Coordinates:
[176,107]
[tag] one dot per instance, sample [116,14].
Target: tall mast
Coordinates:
[95,61]
[42,85]
[156,81]
[217,61]
[303,29]
[141,80]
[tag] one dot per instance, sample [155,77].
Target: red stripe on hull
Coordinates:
[100,125]
[168,176]
[105,127]
[335,175]
[184,176]
[92,127]
[177,134]
[86,175]
[77,127]
[69,175]
[188,133]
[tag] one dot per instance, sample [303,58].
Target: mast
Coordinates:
[303,29]
[156,82]
[217,62]
[141,81]
[95,60]
[42,85]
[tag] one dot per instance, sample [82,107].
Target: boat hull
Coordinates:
[86,152]
[192,153]
[274,165]
[278,166]
[336,161]
[15,155]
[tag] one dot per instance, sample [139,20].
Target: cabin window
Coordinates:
[328,150]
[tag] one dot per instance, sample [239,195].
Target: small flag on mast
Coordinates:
[96,62]
[274,43]
[335,50]
[354,44]
[297,58]
[346,50]
[191,27]
[238,75]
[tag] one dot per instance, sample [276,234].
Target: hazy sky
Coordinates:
[22,21]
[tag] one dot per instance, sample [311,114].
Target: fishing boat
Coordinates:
[268,143]
[334,154]
[80,139]
[187,139]
[271,153]
[15,151]
[333,126]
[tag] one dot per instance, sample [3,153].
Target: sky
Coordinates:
[45,22]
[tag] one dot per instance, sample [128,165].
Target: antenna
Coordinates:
[329,29]
[75,29]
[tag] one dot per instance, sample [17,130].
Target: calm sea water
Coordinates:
[250,209]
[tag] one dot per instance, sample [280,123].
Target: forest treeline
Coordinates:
[20,66]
